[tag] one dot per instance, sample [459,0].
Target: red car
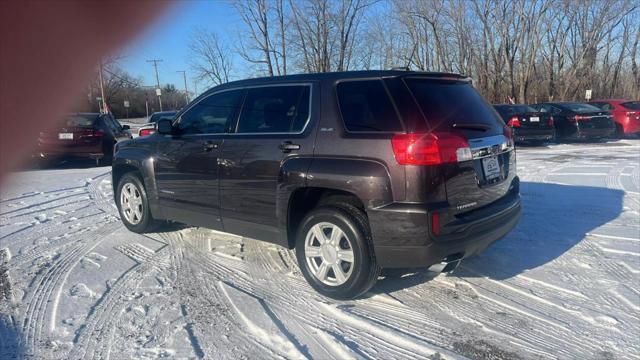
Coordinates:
[84,135]
[625,113]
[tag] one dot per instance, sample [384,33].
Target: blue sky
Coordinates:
[168,39]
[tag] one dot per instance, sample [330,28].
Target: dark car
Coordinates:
[357,171]
[150,127]
[528,124]
[84,135]
[625,113]
[578,121]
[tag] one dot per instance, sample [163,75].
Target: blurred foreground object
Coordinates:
[48,51]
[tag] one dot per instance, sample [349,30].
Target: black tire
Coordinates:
[355,225]
[619,134]
[146,223]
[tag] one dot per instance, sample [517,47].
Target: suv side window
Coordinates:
[366,107]
[275,109]
[211,115]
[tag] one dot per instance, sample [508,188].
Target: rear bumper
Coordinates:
[402,237]
[521,134]
[581,134]
[82,151]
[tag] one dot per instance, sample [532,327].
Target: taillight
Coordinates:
[435,223]
[508,133]
[550,120]
[145,132]
[577,118]
[631,114]
[92,134]
[514,122]
[430,148]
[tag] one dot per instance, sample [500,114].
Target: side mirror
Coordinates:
[164,127]
[126,127]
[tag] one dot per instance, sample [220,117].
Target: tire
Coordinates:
[619,134]
[360,274]
[140,221]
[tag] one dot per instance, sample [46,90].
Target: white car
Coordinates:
[150,127]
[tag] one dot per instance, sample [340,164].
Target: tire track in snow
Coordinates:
[51,279]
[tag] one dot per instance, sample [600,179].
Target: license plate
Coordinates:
[491,167]
[534,119]
[65,136]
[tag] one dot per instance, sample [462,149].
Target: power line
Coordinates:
[158,91]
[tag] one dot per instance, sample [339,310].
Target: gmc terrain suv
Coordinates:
[357,171]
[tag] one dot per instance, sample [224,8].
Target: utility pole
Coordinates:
[104,100]
[158,91]
[186,91]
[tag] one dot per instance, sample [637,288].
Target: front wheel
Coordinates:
[334,251]
[133,204]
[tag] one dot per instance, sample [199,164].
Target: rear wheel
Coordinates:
[334,252]
[133,204]
[619,131]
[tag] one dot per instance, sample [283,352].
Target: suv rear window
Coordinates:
[507,110]
[365,107]
[578,107]
[446,102]
[81,121]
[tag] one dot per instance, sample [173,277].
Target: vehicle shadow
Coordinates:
[11,342]
[555,218]
[60,164]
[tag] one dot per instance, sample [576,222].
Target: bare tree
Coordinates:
[210,57]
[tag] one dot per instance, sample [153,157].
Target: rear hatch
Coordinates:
[588,117]
[525,117]
[74,130]
[594,120]
[482,174]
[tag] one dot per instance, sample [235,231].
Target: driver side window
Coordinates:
[211,115]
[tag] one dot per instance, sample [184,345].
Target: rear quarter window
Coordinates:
[365,106]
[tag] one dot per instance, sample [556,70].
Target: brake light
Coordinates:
[435,223]
[508,133]
[145,132]
[92,133]
[430,148]
[578,118]
[550,120]
[631,114]
[514,122]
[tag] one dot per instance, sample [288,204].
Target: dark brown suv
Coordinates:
[357,171]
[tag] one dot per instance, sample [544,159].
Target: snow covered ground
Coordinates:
[74,283]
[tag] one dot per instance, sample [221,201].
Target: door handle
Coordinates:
[288,146]
[210,145]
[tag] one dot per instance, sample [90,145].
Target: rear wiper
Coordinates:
[471,126]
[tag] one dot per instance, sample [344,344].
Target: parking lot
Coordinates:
[74,283]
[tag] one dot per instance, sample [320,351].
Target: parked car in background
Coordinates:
[575,121]
[84,135]
[625,113]
[149,128]
[355,170]
[528,124]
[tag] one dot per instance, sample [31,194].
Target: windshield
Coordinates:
[632,105]
[578,107]
[81,121]
[446,102]
[514,109]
